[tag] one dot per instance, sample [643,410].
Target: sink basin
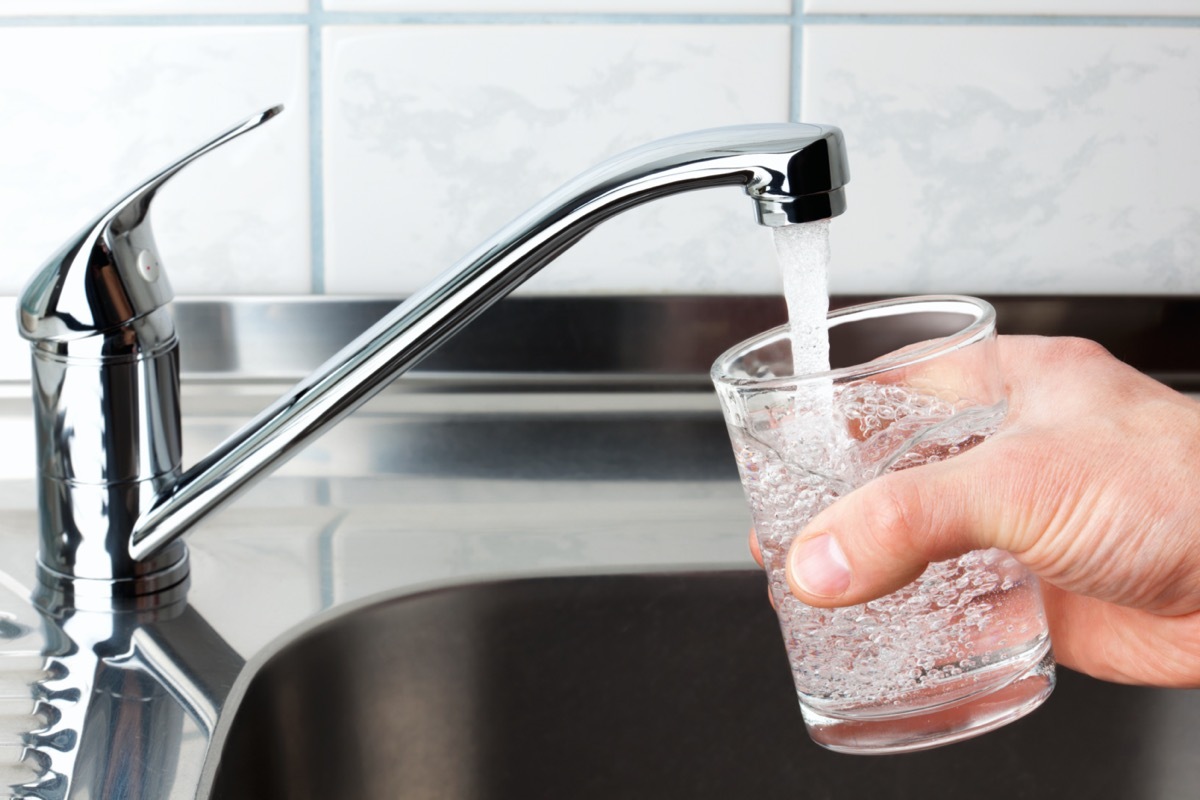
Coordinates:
[636,686]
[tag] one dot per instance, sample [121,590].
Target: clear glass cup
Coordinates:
[963,649]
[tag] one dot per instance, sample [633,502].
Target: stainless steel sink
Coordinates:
[635,686]
[553,437]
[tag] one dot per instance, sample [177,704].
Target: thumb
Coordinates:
[881,536]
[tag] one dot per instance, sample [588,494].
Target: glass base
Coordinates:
[936,725]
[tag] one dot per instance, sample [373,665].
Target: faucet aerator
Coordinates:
[776,212]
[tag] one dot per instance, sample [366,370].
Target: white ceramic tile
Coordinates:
[1013,159]
[1051,7]
[576,7]
[12,8]
[437,136]
[90,112]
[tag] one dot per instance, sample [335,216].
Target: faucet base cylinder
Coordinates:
[163,586]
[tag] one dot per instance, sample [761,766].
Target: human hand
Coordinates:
[1093,482]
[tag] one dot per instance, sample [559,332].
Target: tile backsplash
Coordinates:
[991,150]
[461,150]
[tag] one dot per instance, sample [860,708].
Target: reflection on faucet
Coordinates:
[130,665]
[120,687]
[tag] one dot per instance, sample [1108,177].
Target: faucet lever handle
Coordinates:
[109,273]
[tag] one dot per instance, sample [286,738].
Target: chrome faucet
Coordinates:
[113,496]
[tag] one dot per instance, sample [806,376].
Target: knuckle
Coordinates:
[1041,494]
[1074,350]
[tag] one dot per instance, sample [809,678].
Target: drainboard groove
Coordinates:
[21,718]
[23,673]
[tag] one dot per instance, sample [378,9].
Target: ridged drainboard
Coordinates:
[22,673]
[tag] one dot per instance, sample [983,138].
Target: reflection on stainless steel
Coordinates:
[118,685]
[113,498]
[655,340]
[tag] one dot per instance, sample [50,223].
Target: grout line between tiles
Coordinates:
[321,17]
[986,20]
[796,97]
[386,18]
[316,149]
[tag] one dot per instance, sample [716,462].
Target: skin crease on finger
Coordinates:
[1091,483]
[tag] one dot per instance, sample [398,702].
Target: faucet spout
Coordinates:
[793,172]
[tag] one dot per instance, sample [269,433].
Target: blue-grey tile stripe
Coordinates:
[1027,20]
[797,61]
[320,17]
[316,154]
[392,18]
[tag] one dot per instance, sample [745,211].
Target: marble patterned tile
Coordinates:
[436,136]
[96,110]
[1012,159]
[12,8]
[576,7]
[1141,8]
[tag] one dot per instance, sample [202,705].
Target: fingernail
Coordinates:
[820,567]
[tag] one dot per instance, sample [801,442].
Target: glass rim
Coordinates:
[978,329]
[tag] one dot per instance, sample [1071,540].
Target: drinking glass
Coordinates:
[963,649]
